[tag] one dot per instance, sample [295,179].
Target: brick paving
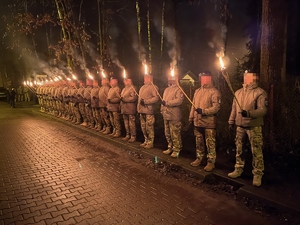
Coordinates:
[51,173]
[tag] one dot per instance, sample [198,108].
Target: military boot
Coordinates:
[113,133]
[256,180]
[209,167]
[126,138]
[167,152]
[175,154]
[236,173]
[84,124]
[197,162]
[132,139]
[117,134]
[103,129]
[148,146]
[107,130]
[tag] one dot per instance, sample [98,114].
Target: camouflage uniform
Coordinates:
[95,106]
[208,99]
[88,109]
[147,98]
[252,99]
[103,92]
[170,109]
[128,110]
[81,103]
[113,108]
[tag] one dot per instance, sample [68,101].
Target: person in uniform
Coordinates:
[171,112]
[113,107]
[148,96]
[128,109]
[81,102]
[103,92]
[20,93]
[206,100]
[26,94]
[247,112]
[87,99]
[95,106]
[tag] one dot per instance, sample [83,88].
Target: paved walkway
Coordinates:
[52,173]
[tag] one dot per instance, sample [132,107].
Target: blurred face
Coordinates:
[250,78]
[127,82]
[206,80]
[104,81]
[113,82]
[148,79]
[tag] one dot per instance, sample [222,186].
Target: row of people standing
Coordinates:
[101,108]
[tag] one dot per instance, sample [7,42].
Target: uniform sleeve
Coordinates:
[154,98]
[261,106]
[177,100]
[192,112]
[233,112]
[116,95]
[132,96]
[215,104]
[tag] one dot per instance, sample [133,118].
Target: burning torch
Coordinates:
[187,97]
[226,77]
[146,73]
[125,77]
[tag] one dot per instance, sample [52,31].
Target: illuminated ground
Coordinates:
[51,173]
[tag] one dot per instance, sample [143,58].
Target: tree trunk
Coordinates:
[272,63]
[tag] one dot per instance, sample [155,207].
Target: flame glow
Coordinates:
[103,74]
[146,69]
[172,72]
[90,76]
[69,79]
[124,74]
[221,63]
[74,77]
[24,82]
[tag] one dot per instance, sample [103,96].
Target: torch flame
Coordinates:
[30,84]
[90,76]
[24,82]
[146,69]
[124,74]
[103,74]
[74,77]
[221,63]
[68,78]
[172,72]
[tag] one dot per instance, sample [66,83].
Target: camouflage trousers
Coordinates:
[255,137]
[82,111]
[96,116]
[130,126]
[105,117]
[77,112]
[173,134]
[147,126]
[115,121]
[205,137]
[89,114]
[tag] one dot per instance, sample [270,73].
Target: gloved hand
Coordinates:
[163,103]
[231,127]
[94,97]
[245,113]
[142,102]
[198,110]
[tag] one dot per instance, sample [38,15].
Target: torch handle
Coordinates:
[31,89]
[187,97]
[225,75]
[157,92]
[134,90]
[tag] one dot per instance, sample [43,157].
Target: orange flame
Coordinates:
[221,63]
[103,74]
[124,74]
[173,72]
[90,76]
[146,69]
